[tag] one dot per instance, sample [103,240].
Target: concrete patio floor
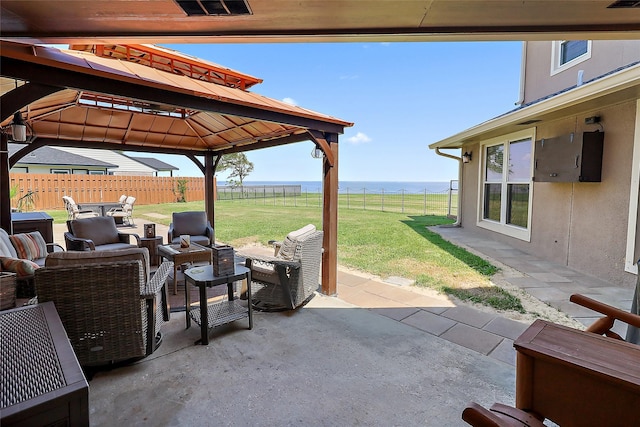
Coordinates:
[380,353]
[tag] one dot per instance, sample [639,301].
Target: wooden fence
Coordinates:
[50,188]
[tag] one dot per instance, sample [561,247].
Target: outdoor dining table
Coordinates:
[100,207]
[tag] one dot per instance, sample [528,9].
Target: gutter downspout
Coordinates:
[458,222]
[523,73]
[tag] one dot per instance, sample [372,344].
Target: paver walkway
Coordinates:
[487,333]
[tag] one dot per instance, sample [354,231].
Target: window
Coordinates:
[506,185]
[96,172]
[61,171]
[567,53]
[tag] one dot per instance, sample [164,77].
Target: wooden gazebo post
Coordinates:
[329,144]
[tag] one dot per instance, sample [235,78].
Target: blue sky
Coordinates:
[401,97]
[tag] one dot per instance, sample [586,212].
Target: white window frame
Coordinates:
[501,226]
[556,55]
[61,171]
[97,172]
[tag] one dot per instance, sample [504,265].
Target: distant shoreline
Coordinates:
[359,186]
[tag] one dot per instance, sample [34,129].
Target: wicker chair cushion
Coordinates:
[288,249]
[73,258]
[22,267]
[100,229]
[29,245]
[192,223]
[6,247]
[266,274]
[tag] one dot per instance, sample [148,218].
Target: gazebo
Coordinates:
[149,99]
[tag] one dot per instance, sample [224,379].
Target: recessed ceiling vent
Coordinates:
[214,7]
[620,4]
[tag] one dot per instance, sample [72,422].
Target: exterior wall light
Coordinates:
[466,157]
[19,129]
[317,152]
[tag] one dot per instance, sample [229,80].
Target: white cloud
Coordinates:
[359,138]
[290,101]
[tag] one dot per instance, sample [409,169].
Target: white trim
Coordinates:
[632,223]
[498,227]
[556,67]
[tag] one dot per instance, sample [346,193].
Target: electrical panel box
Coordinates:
[569,158]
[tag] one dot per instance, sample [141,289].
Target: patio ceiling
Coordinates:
[132,106]
[162,21]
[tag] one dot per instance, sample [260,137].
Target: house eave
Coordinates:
[619,87]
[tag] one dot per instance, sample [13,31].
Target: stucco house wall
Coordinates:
[606,55]
[581,224]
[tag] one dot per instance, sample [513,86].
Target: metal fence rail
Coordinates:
[443,203]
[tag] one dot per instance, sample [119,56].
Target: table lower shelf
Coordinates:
[220,313]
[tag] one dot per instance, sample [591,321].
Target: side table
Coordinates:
[44,385]
[152,243]
[210,315]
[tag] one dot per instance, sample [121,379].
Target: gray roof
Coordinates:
[52,156]
[154,163]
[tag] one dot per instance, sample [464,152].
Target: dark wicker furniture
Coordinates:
[285,284]
[110,308]
[193,223]
[97,234]
[44,385]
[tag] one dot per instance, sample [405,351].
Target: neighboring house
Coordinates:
[82,161]
[124,164]
[161,168]
[542,178]
[46,160]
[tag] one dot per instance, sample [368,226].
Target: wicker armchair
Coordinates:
[193,223]
[97,234]
[111,309]
[290,278]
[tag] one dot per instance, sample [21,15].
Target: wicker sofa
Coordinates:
[288,279]
[97,234]
[110,307]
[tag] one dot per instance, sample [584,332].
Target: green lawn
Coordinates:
[380,243]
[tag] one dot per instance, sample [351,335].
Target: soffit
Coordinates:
[162,21]
[76,114]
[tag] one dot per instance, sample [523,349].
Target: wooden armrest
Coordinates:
[500,415]
[610,312]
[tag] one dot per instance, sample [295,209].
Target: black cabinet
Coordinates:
[24,222]
[569,158]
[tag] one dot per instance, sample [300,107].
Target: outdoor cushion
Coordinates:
[192,223]
[22,267]
[29,246]
[101,229]
[288,249]
[6,247]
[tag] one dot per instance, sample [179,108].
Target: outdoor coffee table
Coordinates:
[182,256]
[226,310]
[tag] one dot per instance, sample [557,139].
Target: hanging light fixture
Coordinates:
[317,152]
[20,130]
[466,157]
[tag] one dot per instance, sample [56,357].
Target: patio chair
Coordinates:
[73,212]
[193,223]
[110,307]
[97,234]
[123,214]
[290,278]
